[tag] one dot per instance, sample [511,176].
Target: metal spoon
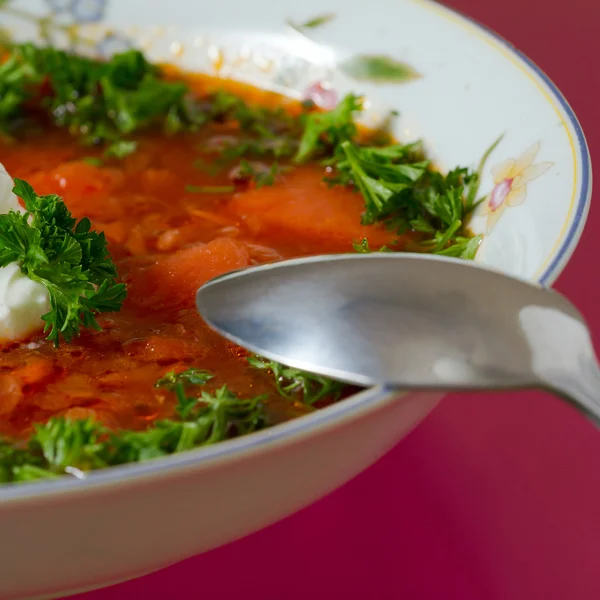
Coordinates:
[408,321]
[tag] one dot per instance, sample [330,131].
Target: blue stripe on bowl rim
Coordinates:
[371,397]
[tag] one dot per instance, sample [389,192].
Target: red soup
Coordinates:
[257,178]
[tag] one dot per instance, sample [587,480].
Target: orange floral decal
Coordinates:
[511,178]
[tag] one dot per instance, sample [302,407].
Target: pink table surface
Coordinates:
[493,497]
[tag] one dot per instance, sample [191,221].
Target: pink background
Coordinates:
[493,497]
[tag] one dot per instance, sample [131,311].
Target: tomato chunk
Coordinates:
[300,204]
[86,189]
[173,280]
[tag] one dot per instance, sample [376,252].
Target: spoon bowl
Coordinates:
[408,321]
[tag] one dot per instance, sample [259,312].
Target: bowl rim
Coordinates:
[578,211]
[372,398]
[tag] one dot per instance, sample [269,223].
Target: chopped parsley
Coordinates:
[192,376]
[363,247]
[263,132]
[121,149]
[382,180]
[265,146]
[409,195]
[397,183]
[103,102]
[260,174]
[324,131]
[73,447]
[93,160]
[298,385]
[65,255]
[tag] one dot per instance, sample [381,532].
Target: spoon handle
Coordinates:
[580,388]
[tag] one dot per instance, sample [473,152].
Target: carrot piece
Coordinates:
[34,371]
[212,217]
[79,413]
[122,379]
[158,181]
[302,205]
[10,393]
[115,232]
[85,188]
[73,390]
[174,279]
[23,160]
[164,349]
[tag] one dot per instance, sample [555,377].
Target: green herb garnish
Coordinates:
[211,169]
[400,190]
[105,102]
[363,247]
[179,382]
[381,179]
[396,181]
[259,147]
[93,160]
[64,446]
[66,256]
[299,385]
[121,149]
[264,132]
[471,200]
[189,377]
[324,131]
[100,101]
[261,175]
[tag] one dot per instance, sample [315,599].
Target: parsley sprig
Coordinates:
[73,447]
[66,256]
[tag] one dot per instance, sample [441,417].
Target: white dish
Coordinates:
[472,87]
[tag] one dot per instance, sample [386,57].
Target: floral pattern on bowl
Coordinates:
[511,178]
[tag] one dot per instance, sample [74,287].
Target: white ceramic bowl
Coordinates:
[459,87]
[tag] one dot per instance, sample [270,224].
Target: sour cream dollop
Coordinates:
[22,301]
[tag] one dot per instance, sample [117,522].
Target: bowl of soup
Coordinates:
[146,151]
